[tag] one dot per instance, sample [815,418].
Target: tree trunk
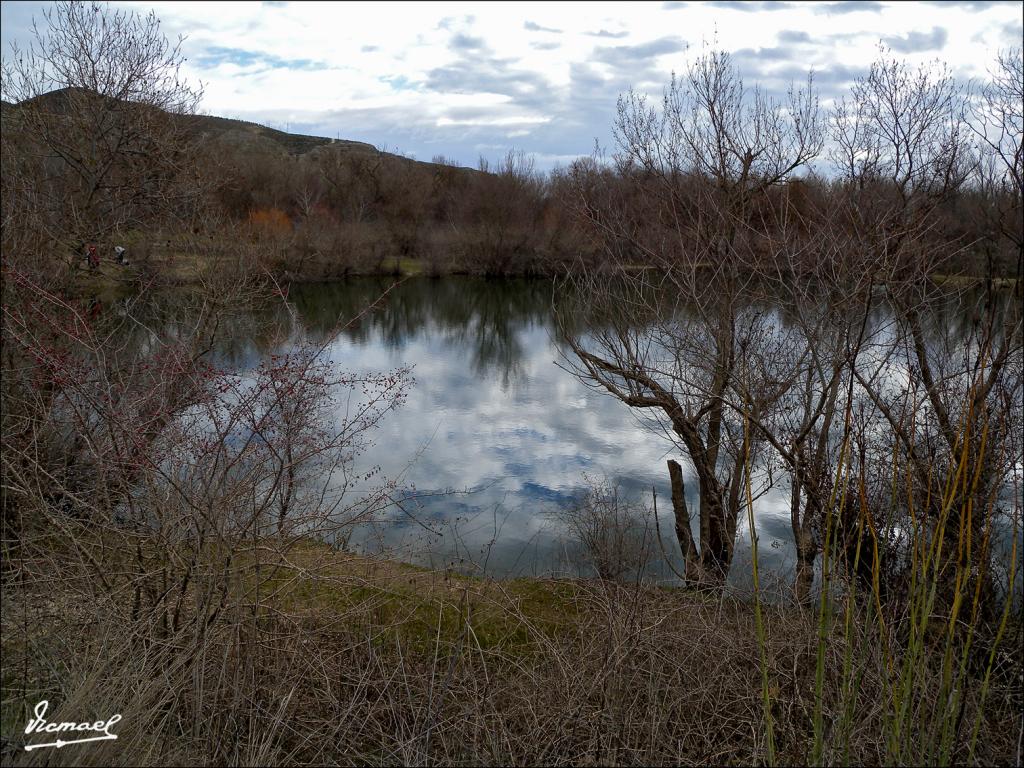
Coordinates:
[806,553]
[693,569]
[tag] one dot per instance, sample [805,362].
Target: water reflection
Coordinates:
[494,435]
[481,316]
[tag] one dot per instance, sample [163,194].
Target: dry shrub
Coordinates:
[270,221]
[611,536]
[359,662]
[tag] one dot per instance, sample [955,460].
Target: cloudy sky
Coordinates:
[472,79]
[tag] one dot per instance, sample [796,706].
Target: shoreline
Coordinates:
[185,271]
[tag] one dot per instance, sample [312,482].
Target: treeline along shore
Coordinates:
[311,208]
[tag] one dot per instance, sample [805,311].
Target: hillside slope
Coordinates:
[248,137]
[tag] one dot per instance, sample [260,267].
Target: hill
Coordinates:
[244,132]
[243,135]
[321,208]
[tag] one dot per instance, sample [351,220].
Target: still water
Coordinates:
[495,436]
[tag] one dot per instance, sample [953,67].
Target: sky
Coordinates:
[466,80]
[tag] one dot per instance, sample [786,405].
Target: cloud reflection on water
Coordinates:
[491,413]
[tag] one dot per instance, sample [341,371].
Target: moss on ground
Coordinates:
[421,607]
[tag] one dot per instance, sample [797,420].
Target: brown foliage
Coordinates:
[270,221]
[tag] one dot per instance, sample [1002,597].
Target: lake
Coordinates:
[495,436]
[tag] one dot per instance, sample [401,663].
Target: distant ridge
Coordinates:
[292,143]
[241,134]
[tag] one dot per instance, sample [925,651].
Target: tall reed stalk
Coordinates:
[758,615]
[924,651]
[824,605]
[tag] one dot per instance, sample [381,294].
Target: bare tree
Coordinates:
[903,151]
[309,188]
[676,341]
[97,123]
[997,119]
[354,182]
[948,394]
[504,211]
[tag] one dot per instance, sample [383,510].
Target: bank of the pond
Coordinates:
[183,268]
[356,660]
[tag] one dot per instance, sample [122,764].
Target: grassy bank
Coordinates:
[167,267]
[352,660]
[180,265]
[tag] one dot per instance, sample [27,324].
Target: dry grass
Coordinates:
[358,661]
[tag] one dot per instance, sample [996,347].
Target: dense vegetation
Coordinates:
[317,208]
[174,534]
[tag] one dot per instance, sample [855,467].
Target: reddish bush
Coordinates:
[272,221]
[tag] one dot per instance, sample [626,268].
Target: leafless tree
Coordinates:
[98,123]
[997,119]
[503,212]
[678,341]
[799,322]
[903,151]
[309,186]
[354,181]
[948,394]
[156,468]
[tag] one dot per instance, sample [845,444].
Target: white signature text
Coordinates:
[39,724]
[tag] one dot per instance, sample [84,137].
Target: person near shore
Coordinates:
[92,255]
[121,254]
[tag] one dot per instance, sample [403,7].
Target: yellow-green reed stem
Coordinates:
[824,614]
[953,686]
[995,645]
[945,703]
[758,617]
[922,599]
[849,693]
[876,589]
[951,725]
[894,719]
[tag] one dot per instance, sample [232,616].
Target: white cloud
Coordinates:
[453,76]
[495,121]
